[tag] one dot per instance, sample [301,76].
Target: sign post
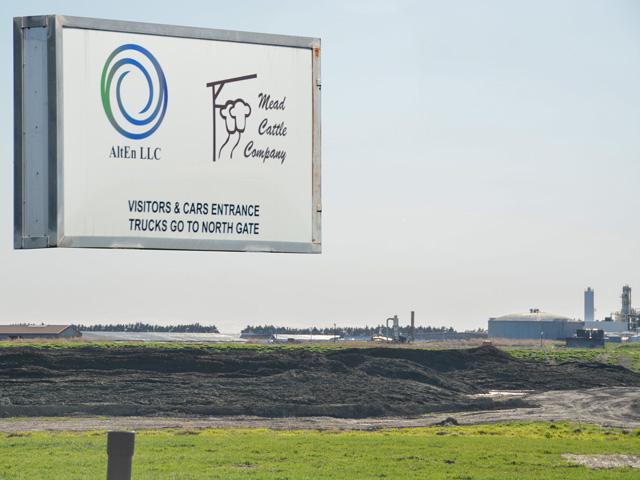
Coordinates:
[117,123]
[120,446]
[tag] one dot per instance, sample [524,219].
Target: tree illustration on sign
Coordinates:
[233,112]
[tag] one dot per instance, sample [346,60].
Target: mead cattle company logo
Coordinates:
[235,113]
[134,125]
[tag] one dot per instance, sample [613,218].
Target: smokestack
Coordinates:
[413,326]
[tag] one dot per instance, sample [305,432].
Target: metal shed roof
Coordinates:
[32,329]
[305,338]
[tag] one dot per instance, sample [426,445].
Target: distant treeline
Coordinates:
[367,331]
[147,327]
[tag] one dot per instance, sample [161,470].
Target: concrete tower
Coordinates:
[588,305]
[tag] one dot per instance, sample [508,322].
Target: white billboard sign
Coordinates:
[135,135]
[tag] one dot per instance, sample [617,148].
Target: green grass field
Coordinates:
[64,344]
[503,451]
[626,355]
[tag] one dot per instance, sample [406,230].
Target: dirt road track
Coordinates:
[614,407]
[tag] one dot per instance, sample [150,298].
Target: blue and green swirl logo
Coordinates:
[120,63]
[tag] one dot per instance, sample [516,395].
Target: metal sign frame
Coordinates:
[38,141]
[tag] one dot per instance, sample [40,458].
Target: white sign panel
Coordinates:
[169,137]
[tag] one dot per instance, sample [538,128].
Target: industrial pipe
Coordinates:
[120,451]
[396,331]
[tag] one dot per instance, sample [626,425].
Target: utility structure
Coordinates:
[396,328]
[626,301]
[412,331]
[394,335]
[589,310]
[586,338]
[627,314]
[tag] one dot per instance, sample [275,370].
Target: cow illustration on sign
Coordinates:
[233,112]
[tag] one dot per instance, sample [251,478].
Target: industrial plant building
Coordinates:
[625,320]
[628,314]
[533,325]
[16,332]
[536,324]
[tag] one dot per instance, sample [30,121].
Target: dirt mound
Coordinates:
[447,422]
[279,382]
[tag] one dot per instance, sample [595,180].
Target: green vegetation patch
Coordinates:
[626,355]
[62,344]
[505,451]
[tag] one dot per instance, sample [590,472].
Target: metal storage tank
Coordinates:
[523,326]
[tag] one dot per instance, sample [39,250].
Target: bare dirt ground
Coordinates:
[343,383]
[604,461]
[612,407]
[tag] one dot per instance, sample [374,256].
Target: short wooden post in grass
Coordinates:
[120,452]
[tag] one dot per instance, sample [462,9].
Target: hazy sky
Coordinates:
[479,158]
